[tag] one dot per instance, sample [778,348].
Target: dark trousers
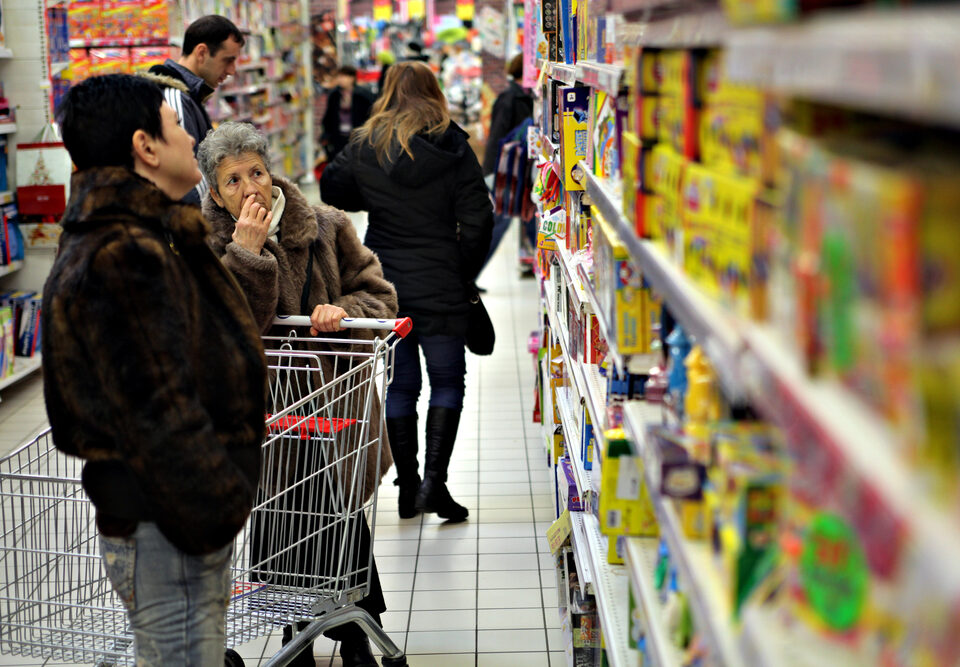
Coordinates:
[446,369]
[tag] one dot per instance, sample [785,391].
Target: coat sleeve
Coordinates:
[474,212]
[259,278]
[159,424]
[500,119]
[364,292]
[338,185]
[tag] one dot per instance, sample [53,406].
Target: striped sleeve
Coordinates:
[174,99]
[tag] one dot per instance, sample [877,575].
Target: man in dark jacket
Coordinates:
[211,46]
[143,330]
[348,106]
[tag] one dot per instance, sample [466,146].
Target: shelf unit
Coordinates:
[7,269]
[8,128]
[22,367]
[641,557]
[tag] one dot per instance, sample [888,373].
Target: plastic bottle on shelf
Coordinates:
[702,404]
[679,346]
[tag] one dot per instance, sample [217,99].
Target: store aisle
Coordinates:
[473,594]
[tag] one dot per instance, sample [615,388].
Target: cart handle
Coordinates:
[400,327]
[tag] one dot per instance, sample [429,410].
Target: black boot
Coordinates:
[433,496]
[305,657]
[357,653]
[402,432]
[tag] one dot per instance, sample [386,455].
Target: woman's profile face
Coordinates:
[240,176]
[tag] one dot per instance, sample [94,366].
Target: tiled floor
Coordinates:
[475,594]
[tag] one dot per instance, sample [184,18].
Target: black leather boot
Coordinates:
[304,658]
[355,652]
[442,424]
[402,432]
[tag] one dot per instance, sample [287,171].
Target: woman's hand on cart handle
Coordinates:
[326,318]
[401,327]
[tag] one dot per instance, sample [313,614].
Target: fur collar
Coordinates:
[298,224]
[104,194]
[165,80]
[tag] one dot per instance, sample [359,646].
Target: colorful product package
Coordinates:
[605,158]
[155,20]
[625,505]
[83,19]
[7,338]
[145,57]
[574,105]
[109,61]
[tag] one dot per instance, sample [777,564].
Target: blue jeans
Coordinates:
[446,368]
[176,603]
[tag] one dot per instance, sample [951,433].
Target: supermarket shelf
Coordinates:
[243,90]
[581,553]
[899,62]
[118,41]
[8,128]
[587,480]
[572,276]
[611,585]
[15,265]
[698,572]
[596,388]
[700,317]
[5,52]
[600,75]
[704,28]
[22,367]
[641,557]
[565,73]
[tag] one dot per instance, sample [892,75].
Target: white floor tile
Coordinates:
[448,563]
[450,641]
[512,659]
[442,660]
[488,530]
[555,639]
[396,581]
[508,579]
[435,600]
[442,620]
[500,641]
[445,581]
[506,545]
[521,598]
[506,619]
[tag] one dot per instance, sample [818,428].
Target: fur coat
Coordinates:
[345,273]
[143,329]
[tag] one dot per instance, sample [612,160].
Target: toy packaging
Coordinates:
[574,104]
[109,61]
[84,20]
[7,338]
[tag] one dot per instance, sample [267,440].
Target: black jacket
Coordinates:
[153,368]
[333,139]
[186,93]
[430,222]
[513,106]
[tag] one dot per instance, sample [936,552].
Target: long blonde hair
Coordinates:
[411,103]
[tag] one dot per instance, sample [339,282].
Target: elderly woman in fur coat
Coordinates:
[292,258]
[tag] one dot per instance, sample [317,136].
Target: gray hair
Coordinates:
[230,139]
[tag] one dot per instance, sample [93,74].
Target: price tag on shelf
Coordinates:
[559,532]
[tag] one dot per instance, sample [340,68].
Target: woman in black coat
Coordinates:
[430,221]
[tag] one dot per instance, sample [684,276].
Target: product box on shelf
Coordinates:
[120,19]
[154,23]
[109,61]
[58,34]
[84,19]
[677,465]
[605,158]
[625,506]
[28,336]
[79,66]
[145,57]
[567,485]
[588,442]
[574,105]
[7,340]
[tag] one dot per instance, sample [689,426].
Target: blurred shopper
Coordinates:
[292,258]
[512,107]
[430,221]
[348,107]
[211,46]
[143,330]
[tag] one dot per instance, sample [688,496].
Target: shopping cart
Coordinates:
[302,559]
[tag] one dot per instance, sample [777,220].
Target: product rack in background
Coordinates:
[742,221]
[270,89]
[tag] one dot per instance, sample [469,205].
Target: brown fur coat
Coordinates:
[152,364]
[345,273]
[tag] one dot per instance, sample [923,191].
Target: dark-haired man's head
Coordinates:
[211,46]
[119,120]
[346,77]
[515,67]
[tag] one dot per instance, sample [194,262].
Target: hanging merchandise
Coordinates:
[465,10]
[382,10]
[43,175]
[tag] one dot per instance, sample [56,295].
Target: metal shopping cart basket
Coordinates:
[304,556]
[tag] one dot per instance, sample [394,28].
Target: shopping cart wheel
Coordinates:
[232,659]
[394,662]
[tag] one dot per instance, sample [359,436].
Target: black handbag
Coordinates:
[480,333]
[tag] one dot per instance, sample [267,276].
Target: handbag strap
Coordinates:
[305,294]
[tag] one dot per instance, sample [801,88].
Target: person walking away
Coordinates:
[211,46]
[513,106]
[292,258]
[430,220]
[144,329]
[348,107]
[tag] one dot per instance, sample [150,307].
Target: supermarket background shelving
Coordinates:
[890,62]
